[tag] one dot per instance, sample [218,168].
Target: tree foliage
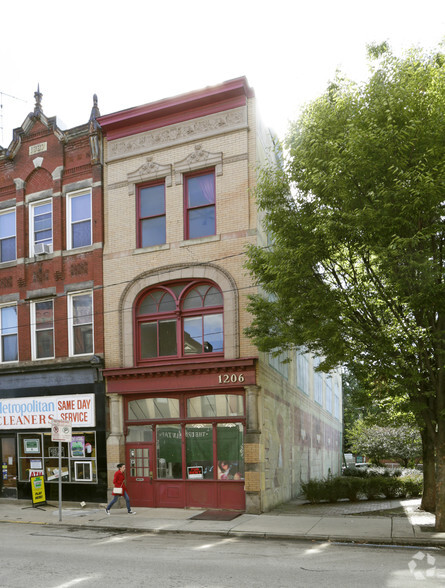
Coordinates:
[356,217]
[402,443]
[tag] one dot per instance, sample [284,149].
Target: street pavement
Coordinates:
[369,522]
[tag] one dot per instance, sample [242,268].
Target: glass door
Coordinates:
[139,474]
[9,468]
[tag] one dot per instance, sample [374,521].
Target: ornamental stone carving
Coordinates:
[199,159]
[148,171]
[191,130]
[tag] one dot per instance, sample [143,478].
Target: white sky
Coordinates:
[137,51]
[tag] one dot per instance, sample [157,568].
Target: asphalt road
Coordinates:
[36,556]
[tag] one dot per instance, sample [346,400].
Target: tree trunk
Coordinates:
[440,477]
[429,472]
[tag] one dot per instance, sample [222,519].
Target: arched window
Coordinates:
[178,320]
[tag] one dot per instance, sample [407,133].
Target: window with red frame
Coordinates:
[200,205]
[151,215]
[179,320]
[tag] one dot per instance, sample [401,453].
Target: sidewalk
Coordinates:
[360,522]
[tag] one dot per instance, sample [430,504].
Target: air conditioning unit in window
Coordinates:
[42,248]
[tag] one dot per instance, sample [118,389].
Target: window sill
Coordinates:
[162,247]
[200,240]
[79,250]
[5,264]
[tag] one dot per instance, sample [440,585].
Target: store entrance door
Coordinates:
[9,468]
[140,464]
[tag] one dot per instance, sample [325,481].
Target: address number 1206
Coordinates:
[231,378]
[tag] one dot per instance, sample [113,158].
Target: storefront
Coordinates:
[25,435]
[184,432]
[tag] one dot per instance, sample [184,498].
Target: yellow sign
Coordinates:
[38,489]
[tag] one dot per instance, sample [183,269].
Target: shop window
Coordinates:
[140,434]
[8,333]
[179,320]
[200,205]
[41,228]
[42,327]
[215,405]
[80,322]
[7,236]
[145,409]
[230,444]
[199,450]
[38,452]
[151,215]
[169,451]
[83,471]
[79,220]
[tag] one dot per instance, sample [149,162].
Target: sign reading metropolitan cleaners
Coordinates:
[36,412]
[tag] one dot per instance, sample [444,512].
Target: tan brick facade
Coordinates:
[232,142]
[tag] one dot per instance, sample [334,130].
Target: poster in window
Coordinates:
[31,445]
[78,446]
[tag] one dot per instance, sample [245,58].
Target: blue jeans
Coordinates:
[115,498]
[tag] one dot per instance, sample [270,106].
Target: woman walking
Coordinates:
[119,482]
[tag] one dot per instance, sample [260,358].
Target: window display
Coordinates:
[78,457]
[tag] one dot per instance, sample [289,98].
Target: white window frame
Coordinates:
[328,394]
[69,198]
[277,363]
[4,212]
[2,335]
[32,208]
[337,399]
[71,325]
[318,383]
[34,330]
[303,371]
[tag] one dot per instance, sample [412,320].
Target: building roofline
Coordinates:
[229,94]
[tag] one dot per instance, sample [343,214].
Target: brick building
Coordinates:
[51,306]
[201,418]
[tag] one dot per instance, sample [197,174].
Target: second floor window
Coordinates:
[179,320]
[80,320]
[42,329]
[7,236]
[151,215]
[200,205]
[8,333]
[41,229]
[79,224]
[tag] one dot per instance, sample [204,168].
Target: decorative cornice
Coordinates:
[192,130]
[170,370]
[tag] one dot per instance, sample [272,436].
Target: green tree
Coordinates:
[356,216]
[377,442]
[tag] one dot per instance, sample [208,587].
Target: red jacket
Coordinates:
[119,482]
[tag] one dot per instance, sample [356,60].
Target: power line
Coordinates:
[101,287]
[1,109]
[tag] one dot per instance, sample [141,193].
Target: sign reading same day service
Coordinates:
[37,412]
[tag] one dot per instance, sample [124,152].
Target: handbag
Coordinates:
[117,490]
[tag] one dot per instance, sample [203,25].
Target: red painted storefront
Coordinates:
[152,439]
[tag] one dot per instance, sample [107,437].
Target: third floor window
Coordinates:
[79,217]
[7,236]
[151,215]
[200,205]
